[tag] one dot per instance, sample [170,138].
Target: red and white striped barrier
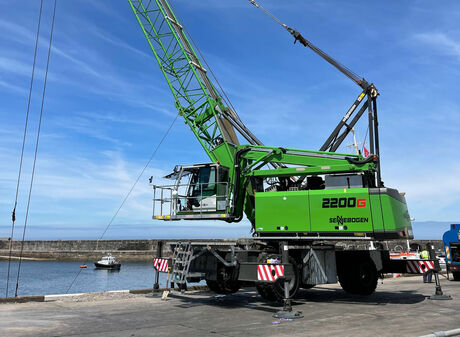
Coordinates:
[419,267]
[269,272]
[161,265]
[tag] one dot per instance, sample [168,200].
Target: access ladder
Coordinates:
[182,257]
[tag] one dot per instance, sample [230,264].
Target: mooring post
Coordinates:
[156,286]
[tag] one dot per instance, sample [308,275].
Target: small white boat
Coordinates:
[108,262]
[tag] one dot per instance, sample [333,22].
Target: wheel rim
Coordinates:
[365,274]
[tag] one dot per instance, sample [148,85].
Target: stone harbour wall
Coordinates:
[126,250]
[145,250]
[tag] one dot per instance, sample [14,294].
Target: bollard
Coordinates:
[156,285]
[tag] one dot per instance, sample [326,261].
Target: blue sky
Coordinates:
[107,104]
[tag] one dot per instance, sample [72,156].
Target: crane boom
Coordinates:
[214,124]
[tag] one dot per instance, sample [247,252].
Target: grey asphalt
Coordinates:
[400,307]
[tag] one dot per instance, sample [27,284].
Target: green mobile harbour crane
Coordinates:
[299,202]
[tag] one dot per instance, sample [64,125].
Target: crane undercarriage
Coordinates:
[229,266]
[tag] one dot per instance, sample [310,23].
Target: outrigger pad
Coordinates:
[440,297]
[153,294]
[288,314]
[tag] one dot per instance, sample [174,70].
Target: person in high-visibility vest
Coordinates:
[429,274]
[425,255]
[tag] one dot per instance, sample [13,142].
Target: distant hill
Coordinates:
[423,230]
[430,230]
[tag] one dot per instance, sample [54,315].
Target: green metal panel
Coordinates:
[220,152]
[315,211]
[352,211]
[340,210]
[277,210]
[377,215]
[396,214]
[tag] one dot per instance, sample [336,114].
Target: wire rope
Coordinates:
[274,18]
[345,70]
[36,147]
[13,214]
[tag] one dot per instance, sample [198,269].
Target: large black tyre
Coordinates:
[215,286]
[346,281]
[225,283]
[367,278]
[231,286]
[275,291]
[223,287]
[456,276]
[266,291]
[360,278]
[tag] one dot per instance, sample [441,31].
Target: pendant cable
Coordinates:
[13,214]
[36,149]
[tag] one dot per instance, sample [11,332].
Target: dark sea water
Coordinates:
[55,277]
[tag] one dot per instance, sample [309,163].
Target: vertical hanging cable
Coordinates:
[13,215]
[36,148]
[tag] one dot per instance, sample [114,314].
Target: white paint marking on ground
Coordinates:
[58,296]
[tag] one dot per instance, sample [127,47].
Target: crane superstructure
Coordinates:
[233,183]
[290,196]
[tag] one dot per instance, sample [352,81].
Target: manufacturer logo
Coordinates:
[343,203]
[343,220]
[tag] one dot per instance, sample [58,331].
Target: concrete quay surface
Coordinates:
[400,307]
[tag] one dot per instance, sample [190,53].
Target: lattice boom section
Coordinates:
[193,92]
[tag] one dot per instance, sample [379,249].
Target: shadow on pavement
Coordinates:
[245,298]
[333,295]
[248,298]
